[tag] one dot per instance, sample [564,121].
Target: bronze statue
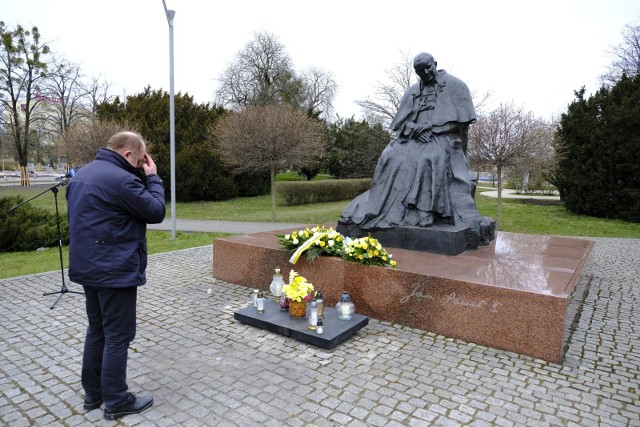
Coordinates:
[423,178]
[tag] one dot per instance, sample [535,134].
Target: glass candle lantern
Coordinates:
[320,300]
[345,307]
[260,302]
[313,315]
[276,285]
[284,303]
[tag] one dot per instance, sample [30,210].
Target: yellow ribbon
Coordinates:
[306,245]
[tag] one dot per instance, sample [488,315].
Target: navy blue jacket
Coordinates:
[109,207]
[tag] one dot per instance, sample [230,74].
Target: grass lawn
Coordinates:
[518,216]
[20,263]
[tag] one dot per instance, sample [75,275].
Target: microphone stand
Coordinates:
[54,190]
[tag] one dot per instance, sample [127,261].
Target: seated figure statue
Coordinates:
[423,177]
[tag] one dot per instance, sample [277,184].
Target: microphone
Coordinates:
[63,179]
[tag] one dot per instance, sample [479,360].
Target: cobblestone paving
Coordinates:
[204,368]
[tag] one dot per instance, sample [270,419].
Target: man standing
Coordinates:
[110,202]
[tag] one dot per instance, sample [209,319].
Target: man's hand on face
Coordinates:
[149,166]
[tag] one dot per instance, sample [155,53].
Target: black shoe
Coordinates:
[133,405]
[90,406]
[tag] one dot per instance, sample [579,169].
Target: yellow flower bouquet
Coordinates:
[367,251]
[298,289]
[319,240]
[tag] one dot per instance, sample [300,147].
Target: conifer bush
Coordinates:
[29,228]
[599,148]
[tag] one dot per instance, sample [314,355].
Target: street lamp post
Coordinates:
[172,122]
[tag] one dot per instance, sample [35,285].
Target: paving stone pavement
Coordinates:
[206,369]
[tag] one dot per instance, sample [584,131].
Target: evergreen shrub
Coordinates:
[29,228]
[252,184]
[599,171]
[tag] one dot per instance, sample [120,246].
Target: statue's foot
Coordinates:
[487,231]
[426,221]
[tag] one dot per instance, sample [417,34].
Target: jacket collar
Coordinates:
[115,158]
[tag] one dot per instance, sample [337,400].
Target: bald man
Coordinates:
[110,202]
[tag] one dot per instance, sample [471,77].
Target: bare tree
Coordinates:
[99,92]
[382,106]
[67,95]
[535,173]
[71,99]
[23,71]
[480,100]
[626,56]
[268,138]
[319,89]
[502,138]
[261,74]
[80,142]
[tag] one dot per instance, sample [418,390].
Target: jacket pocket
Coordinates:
[142,250]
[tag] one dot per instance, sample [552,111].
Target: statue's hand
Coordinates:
[424,137]
[419,129]
[422,133]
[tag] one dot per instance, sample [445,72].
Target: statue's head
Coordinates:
[425,67]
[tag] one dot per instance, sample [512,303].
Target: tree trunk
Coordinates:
[499,215]
[273,193]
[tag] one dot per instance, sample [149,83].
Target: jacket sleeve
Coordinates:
[147,202]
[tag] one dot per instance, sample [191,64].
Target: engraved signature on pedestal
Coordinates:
[416,293]
[467,302]
[452,298]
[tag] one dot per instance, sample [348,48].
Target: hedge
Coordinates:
[307,192]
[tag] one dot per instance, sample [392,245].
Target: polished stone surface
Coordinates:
[511,295]
[335,331]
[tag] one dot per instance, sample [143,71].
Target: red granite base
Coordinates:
[511,295]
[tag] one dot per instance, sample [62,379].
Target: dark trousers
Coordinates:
[112,326]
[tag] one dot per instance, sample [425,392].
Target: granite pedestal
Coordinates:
[513,294]
[438,239]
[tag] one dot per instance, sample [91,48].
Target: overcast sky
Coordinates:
[533,53]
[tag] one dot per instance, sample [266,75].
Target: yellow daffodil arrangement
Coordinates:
[367,251]
[319,240]
[298,289]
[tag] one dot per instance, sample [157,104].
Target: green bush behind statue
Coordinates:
[296,193]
